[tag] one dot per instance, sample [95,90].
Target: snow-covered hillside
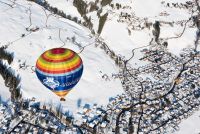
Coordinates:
[29,45]
[108,35]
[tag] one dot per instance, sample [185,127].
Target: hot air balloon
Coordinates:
[59,69]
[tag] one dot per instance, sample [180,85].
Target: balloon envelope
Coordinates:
[59,69]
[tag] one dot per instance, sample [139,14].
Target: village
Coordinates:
[151,105]
[157,96]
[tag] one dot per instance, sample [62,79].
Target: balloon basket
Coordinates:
[62,99]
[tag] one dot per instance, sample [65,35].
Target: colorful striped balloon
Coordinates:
[59,69]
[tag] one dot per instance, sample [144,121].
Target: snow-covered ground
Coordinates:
[92,88]
[66,6]
[190,125]
[117,33]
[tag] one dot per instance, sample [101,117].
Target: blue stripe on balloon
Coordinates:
[66,82]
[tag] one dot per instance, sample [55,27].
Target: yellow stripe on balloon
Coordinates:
[61,93]
[61,65]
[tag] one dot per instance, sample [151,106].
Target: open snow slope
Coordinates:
[28,45]
[116,33]
[66,6]
[190,125]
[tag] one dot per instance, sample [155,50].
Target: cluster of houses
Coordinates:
[186,5]
[30,116]
[168,99]
[93,119]
[157,96]
[102,119]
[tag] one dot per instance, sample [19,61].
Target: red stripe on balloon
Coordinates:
[58,50]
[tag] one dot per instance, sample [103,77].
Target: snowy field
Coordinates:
[92,88]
